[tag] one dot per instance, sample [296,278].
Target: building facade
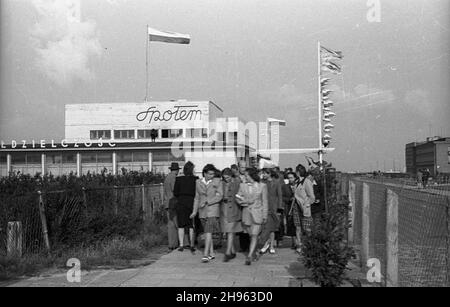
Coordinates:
[147,136]
[433,154]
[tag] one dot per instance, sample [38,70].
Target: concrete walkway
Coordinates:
[183,269]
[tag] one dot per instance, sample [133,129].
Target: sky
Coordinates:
[254,58]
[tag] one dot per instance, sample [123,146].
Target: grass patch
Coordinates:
[26,266]
[116,252]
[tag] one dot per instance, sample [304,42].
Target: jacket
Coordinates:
[254,202]
[208,197]
[275,197]
[230,208]
[169,185]
[304,194]
[288,195]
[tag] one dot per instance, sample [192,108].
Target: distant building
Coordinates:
[434,154]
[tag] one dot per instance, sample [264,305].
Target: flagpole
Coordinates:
[146,65]
[319,103]
[319,107]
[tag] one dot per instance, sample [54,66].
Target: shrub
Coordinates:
[324,251]
[19,184]
[25,266]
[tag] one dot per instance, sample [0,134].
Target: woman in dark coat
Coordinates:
[184,191]
[230,213]
[275,200]
[288,200]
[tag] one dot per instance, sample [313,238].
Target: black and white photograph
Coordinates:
[221,150]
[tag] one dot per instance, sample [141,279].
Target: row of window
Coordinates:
[148,134]
[89,157]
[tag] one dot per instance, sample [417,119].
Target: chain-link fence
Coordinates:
[405,227]
[49,221]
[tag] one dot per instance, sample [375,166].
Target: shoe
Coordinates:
[227,258]
[181,248]
[264,249]
[205,259]
[299,250]
[192,248]
[248,261]
[211,257]
[232,256]
[272,251]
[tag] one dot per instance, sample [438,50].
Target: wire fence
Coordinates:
[49,221]
[405,227]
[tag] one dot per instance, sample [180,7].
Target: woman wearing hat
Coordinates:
[304,195]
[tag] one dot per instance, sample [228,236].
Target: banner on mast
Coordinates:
[168,37]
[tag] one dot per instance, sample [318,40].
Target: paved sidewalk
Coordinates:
[183,269]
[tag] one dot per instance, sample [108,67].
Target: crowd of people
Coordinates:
[257,206]
[423,176]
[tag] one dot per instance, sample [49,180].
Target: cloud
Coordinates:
[64,44]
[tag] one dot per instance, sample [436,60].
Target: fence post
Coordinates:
[351,198]
[116,201]
[392,239]
[161,194]
[83,190]
[14,239]
[144,211]
[365,224]
[43,221]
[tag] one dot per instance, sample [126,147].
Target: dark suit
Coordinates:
[172,227]
[288,195]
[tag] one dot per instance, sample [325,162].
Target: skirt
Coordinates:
[272,225]
[230,227]
[290,226]
[297,216]
[307,224]
[273,222]
[183,210]
[252,230]
[211,225]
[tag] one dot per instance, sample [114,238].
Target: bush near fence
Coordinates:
[19,184]
[79,214]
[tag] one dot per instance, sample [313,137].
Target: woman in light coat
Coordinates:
[208,196]
[252,197]
[304,195]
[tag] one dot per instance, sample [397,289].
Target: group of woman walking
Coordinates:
[240,200]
